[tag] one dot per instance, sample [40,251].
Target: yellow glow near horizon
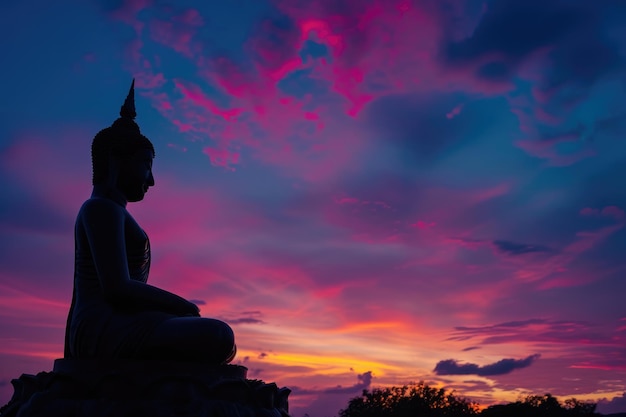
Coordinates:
[328,365]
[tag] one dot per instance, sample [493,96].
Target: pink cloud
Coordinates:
[546,148]
[587,211]
[195,95]
[454,112]
[225,73]
[347,200]
[189,17]
[128,12]
[422,225]
[547,118]
[584,241]
[182,127]
[609,211]
[371,50]
[178,39]
[320,30]
[222,157]
[149,81]
[178,32]
[613,211]
[375,49]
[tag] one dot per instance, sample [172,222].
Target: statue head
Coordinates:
[119,152]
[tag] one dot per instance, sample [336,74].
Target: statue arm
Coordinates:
[103,222]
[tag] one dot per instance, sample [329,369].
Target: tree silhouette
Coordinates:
[541,406]
[581,408]
[421,400]
[408,401]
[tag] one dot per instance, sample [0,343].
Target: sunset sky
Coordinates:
[371,192]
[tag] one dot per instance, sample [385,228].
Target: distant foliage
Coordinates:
[420,400]
[409,401]
[541,406]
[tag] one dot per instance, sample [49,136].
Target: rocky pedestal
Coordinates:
[81,388]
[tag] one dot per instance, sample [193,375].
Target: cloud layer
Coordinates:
[501,367]
[362,188]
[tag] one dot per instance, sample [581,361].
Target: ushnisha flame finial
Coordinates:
[128,109]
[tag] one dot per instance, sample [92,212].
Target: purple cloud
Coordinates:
[365,380]
[513,248]
[504,366]
[614,405]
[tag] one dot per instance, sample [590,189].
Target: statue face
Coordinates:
[135,175]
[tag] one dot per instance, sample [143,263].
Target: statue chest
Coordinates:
[137,251]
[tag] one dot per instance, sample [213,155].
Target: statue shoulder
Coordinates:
[102,209]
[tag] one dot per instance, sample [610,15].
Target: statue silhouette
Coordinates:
[114,312]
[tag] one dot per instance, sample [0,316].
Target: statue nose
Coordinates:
[151,180]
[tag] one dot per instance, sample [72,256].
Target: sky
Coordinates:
[370,192]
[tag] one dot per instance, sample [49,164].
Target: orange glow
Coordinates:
[325,364]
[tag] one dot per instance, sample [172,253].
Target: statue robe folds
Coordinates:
[95,327]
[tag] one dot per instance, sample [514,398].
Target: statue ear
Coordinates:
[113,169]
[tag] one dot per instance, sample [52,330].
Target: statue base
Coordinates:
[116,388]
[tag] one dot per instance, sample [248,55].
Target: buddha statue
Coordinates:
[115,313]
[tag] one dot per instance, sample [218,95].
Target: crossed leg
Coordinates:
[192,339]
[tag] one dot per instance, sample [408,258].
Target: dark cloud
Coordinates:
[262,355]
[556,332]
[614,405]
[565,48]
[198,302]
[504,366]
[513,248]
[505,325]
[245,320]
[576,32]
[467,349]
[469,385]
[583,59]
[516,29]
[364,382]
[365,379]
[247,317]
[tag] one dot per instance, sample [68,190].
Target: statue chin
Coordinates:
[135,199]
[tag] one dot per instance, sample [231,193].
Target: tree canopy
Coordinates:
[542,406]
[408,401]
[421,400]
